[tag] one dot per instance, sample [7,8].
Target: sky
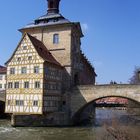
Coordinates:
[111,31]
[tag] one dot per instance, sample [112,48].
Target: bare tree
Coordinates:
[135,79]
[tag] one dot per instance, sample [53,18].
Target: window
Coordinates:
[19,103]
[10,85]
[30,58]
[12,70]
[24,47]
[19,59]
[26,84]
[0,85]
[46,70]
[55,38]
[35,103]
[36,69]
[37,84]
[1,77]
[16,85]
[23,70]
[9,102]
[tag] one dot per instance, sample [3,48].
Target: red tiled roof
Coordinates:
[3,69]
[113,100]
[42,50]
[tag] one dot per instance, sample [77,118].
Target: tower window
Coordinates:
[55,38]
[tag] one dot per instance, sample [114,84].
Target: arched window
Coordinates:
[55,38]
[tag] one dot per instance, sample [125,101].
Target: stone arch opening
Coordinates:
[76,116]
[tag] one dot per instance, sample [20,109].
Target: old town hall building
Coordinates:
[47,63]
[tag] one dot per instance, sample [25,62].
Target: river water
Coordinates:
[104,118]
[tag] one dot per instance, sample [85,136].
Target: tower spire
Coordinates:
[53,6]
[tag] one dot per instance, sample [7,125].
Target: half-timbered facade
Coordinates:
[31,76]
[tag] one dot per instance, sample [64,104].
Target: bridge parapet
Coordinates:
[108,86]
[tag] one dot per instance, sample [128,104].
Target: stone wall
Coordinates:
[87,74]
[133,107]
[50,119]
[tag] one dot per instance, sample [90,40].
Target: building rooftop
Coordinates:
[52,17]
[3,70]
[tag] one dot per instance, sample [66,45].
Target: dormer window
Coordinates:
[55,38]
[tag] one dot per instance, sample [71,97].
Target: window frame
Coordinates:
[23,70]
[24,47]
[35,103]
[36,69]
[10,85]
[16,85]
[56,38]
[26,85]
[37,84]
[19,102]
[19,59]
[12,70]
[29,58]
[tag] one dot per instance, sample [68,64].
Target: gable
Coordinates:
[25,51]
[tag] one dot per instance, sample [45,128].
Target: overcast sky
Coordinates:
[111,32]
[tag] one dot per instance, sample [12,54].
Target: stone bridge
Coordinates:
[81,96]
[2,95]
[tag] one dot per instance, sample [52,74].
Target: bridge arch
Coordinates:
[84,95]
[76,115]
